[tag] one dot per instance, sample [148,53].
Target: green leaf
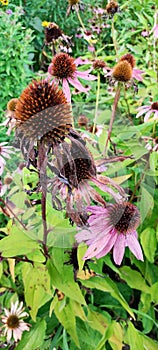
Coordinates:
[98,321]
[107,285]
[134,339]
[146,203]
[134,279]
[65,283]
[67,319]
[149,243]
[154,293]
[17,243]
[33,339]
[116,339]
[36,287]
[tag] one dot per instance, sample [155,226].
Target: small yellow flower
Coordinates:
[4,2]
[45,24]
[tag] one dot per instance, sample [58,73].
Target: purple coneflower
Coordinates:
[64,69]
[148,110]
[13,324]
[111,227]
[5,152]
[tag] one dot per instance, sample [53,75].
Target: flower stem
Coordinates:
[80,20]
[117,96]
[113,36]
[97,103]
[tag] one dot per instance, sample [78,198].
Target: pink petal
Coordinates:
[108,247]
[134,246]
[76,83]
[119,249]
[66,90]
[144,110]
[97,210]
[85,75]
[147,115]
[79,61]
[95,248]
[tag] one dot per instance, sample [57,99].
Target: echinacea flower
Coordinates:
[42,113]
[64,69]
[13,323]
[111,227]
[112,7]
[5,152]
[77,169]
[148,110]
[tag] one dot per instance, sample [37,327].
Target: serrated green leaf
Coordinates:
[149,243]
[33,339]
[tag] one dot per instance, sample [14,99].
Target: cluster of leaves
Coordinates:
[119,309]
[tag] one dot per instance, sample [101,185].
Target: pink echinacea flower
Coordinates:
[111,227]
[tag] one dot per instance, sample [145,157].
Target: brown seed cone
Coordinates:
[73,2]
[42,112]
[52,33]
[99,64]
[82,162]
[112,7]
[129,58]
[154,105]
[11,105]
[63,66]
[125,217]
[82,120]
[122,71]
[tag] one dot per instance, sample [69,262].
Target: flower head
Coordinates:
[64,68]
[112,7]
[5,152]
[42,112]
[11,105]
[111,227]
[52,32]
[148,110]
[4,2]
[13,323]
[122,71]
[129,58]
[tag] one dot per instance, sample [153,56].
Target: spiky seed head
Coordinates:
[154,105]
[11,105]
[122,71]
[52,32]
[42,112]
[84,167]
[112,7]
[99,64]
[82,120]
[124,217]
[129,58]
[63,66]
[73,2]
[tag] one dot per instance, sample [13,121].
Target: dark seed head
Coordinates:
[129,58]
[63,66]
[13,322]
[124,217]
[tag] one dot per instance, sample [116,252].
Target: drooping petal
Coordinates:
[143,110]
[9,335]
[147,115]
[109,245]
[85,75]
[66,90]
[156,115]
[96,247]
[119,249]
[97,210]
[79,61]
[76,83]
[134,246]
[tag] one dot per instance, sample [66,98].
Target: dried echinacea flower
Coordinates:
[52,33]
[99,64]
[82,121]
[42,113]
[14,326]
[111,227]
[122,71]
[11,105]
[74,5]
